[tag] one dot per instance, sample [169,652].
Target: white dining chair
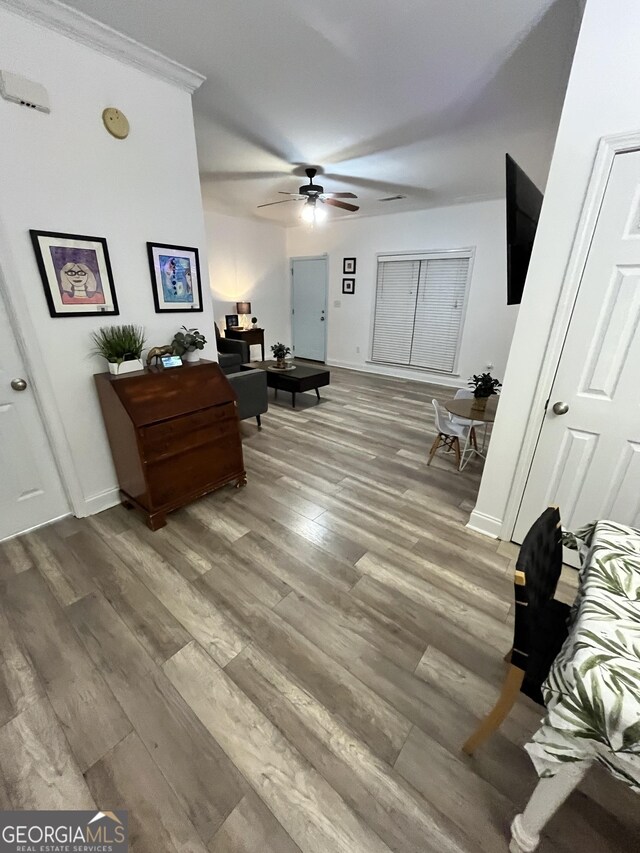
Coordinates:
[449,433]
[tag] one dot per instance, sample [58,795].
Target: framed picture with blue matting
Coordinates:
[175,278]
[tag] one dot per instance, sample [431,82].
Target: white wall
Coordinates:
[489,321]
[599,102]
[63,172]
[248,262]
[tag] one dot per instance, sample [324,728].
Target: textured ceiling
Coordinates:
[414,97]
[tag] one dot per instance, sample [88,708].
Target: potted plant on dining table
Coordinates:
[484,386]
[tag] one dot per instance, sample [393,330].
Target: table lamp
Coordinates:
[243,309]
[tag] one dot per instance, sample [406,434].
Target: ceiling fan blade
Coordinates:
[282,192]
[284,201]
[239,176]
[343,204]
[339,195]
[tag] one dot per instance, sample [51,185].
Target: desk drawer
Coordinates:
[179,434]
[197,469]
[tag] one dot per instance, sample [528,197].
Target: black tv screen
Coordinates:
[524,201]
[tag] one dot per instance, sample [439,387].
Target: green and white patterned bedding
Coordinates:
[592,693]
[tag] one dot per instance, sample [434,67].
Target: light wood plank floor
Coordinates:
[289,667]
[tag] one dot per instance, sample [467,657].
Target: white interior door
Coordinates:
[309,308]
[588,459]
[31,493]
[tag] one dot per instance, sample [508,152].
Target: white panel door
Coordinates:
[588,460]
[31,493]
[309,307]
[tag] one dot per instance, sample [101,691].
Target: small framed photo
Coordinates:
[348,285]
[175,278]
[349,266]
[231,321]
[76,274]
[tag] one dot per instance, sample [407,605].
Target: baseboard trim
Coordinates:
[100,502]
[381,370]
[37,526]
[488,525]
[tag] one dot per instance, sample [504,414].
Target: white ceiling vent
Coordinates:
[25,92]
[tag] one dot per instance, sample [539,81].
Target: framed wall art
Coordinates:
[349,266]
[175,278]
[348,285]
[76,274]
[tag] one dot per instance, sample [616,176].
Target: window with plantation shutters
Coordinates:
[419,309]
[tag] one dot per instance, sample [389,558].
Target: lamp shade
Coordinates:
[243,307]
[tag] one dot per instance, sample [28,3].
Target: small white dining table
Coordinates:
[463,407]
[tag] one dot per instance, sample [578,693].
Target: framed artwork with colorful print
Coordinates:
[175,278]
[76,274]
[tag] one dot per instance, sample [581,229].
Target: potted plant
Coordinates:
[484,386]
[188,344]
[121,346]
[280,352]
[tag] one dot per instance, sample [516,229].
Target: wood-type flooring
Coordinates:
[288,667]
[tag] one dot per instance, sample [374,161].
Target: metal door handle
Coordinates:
[322,319]
[560,408]
[18,384]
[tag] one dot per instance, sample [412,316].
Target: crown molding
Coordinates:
[80,27]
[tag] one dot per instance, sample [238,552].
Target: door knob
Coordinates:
[560,408]
[18,384]
[322,319]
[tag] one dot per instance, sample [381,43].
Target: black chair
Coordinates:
[540,622]
[231,354]
[251,392]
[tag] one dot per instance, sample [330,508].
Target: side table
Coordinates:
[250,336]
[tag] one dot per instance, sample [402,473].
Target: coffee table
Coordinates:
[303,377]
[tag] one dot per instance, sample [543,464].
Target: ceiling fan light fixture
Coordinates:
[308,213]
[311,194]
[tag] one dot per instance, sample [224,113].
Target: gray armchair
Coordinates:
[231,354]
[251,390]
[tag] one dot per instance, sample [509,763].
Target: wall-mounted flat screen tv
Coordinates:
[524,201]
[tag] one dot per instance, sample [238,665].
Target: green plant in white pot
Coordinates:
[121,346]
[188,343]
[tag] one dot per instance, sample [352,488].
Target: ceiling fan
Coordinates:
[311,194]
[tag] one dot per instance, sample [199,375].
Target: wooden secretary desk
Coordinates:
[174,435]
